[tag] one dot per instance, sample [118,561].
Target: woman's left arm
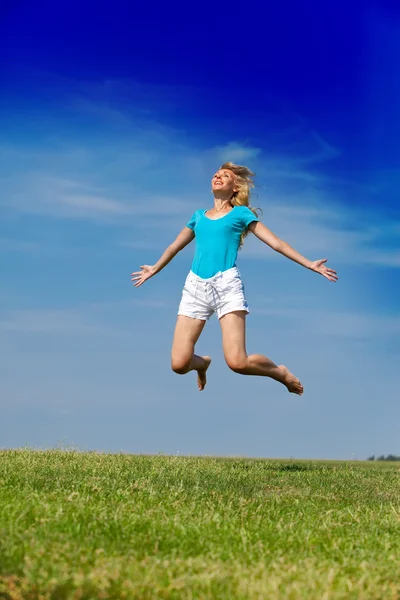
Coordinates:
[265,235]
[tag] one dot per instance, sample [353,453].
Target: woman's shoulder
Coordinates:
[194,219]
[243,211]
[198,213]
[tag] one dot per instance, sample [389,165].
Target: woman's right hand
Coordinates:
[139,277]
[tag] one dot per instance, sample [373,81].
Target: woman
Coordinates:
[214,283]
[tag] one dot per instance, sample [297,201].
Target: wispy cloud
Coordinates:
[323,150]
[84,206]
[18,245]
[332,231]
[385,259]
[70,321]
[50,195]
[344,324]
[96,319]
[57,197]
[235,152]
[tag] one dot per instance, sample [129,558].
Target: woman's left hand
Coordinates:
[319,267]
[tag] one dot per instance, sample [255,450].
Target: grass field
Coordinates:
[92,526]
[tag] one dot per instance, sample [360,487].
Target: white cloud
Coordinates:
[40,194]
[57,197]
[87,206]
[236,152]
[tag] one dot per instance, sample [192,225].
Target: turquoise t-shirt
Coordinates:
[217,240]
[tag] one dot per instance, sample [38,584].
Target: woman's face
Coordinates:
[224,181]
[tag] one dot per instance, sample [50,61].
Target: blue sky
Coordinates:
[111,125]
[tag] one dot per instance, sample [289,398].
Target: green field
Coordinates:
[92,526]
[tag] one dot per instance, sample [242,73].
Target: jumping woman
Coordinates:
[214,284]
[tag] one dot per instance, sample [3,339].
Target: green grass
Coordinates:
[91,526]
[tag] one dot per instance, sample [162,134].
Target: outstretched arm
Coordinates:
[147,271]
[265,235]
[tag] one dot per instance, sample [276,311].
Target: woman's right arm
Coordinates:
[147,271]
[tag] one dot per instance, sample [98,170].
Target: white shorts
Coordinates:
[221,294]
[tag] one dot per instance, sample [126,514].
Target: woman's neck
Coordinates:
[222,204]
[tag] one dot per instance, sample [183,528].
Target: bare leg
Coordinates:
[233,327]
[183,359]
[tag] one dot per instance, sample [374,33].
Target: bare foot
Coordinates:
[202,374]
[292,383]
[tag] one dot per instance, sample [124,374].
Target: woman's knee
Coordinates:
[181,364]
[236,363]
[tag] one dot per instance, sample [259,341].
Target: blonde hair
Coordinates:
[244,184]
